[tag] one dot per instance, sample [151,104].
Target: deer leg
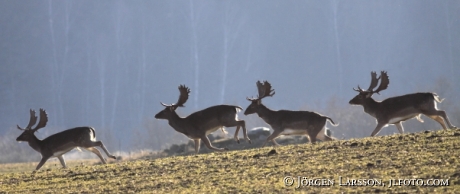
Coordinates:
[61,159]
[272,137]
[325,137]
[241,124]
[440,120]
[100,144]
[105,150]
[446,118]
[224,131]
[378,128]
[98,153]
[312,139]
[208,144]
[245,131]
[236,134]
[42,161]
[197,145]
[276,143]
[400,127]
[433,112]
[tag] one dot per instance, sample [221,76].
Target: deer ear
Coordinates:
[368,95]
[172,108]
[258,102]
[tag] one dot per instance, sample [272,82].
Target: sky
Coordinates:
[109,64]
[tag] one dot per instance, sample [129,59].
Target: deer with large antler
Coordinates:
[287,122]
[396,110]
[60,143]
[199,124]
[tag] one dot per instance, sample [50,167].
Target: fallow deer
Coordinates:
[199,124]
[60,143]
[287,122]
[396,110]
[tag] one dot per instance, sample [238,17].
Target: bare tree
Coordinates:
[233,21]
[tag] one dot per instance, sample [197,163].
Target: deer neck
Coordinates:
[265,113]
[34,143]
[177,123]
[371,106]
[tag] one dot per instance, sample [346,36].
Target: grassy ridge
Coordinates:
[425,155]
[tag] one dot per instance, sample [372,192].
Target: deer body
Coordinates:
[56,145]
[205,121]
[60,143]
[396,110]
[400,108]
[199,124]
[287,122]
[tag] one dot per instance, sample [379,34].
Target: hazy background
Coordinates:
[108,64]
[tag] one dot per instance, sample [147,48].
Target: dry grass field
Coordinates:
[425,162]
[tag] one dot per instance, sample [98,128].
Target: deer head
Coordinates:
[28,132]
[265,90]
[366,94]
[171,108]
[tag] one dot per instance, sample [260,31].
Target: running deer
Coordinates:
[60,143]
[396,110]
[287,122]
[199,124]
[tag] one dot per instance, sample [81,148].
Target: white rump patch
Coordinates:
[91,136]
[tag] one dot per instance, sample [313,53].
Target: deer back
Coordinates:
[69,138]
[214,116]
[295,119]
[415,102]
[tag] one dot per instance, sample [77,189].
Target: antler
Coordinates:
[359,89]
[374,81]
[384,81]
[265,89]
[183,97]
[43,120]
[32,121]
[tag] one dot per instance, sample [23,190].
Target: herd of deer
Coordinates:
[196,126]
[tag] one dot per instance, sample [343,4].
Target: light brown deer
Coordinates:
[396,110]
[199,124]
[287,122]
[60,143]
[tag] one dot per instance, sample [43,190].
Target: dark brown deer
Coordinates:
[287,122]
[201,123]
[60,143]
[396,110]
